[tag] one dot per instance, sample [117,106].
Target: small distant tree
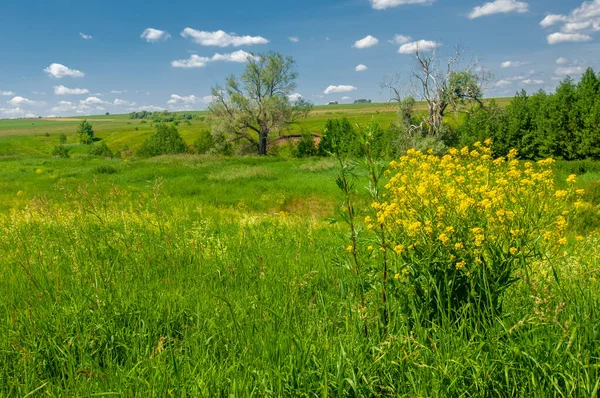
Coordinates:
[63,139]
[85,133]
[165,140]
[257,104]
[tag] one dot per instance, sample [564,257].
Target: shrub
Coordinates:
[204,143]
[62,139]
[60,151]
[464,224]
[105,170]
[165,140]
[85,133]
[101,150]
[306,146]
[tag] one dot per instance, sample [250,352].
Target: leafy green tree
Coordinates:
[257,104]
[306,146]
[165,140]
[85,133]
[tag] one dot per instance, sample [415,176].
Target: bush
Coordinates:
[306,146]
[463,225]
[101,150]
[62,139]
[340,134]
[60,151]
[105,170]
[165,140]
[85,133]
[204,143]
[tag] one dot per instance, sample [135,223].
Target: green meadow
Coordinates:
[192,276]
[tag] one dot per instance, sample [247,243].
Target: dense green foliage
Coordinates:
[101,150]
[564,125]
[85,133]
[61,151]
[205,143]
[165,140]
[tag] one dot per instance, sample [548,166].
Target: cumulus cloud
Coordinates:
[294,39]
[339,89]
[361,68]
[532,82]
[178,99]
[85,37]
[576,26]
[62,90]
[569,70]
[346,98]
[93,101]
[221,38]
[560,37]
[294,97]
[196,61]
[120,102]
[514,64]
[6,93]
[562,61]
[151,108]
[152,35]
[21,101]
[384,4]
[59,71]
[366,42]
[499,7]
[421,46]
[503,83]
[401,39]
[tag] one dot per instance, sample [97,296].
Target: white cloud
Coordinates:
[152,35]
[339,89]
[499,7]
[562,61]
[366,42]
[503,83]
[346,98]
[178,99]
[560,37]
[421,46]
[532,82]
[20,101]
[62,90]
[93,101]
[196,61]
[294,97]
[569,70]
[118,91]
[59,71]
[85,37]
[151,108]
[6,93]
[576,26]
[12,112]
[207,99]
[221,38]
[384,4]
[294,39]
[514,64]
[401,39]
[120,102]
[361,68]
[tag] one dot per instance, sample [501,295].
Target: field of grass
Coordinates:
[227,276]
[205,276]
[39,136]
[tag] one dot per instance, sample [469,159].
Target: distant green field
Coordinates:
[39,136]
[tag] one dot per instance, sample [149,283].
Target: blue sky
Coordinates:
[67,57]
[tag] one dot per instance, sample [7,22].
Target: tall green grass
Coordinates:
[123,284]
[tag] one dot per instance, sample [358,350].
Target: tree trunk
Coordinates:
[262,143]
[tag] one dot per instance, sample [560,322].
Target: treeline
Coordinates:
[564,125]
[164,116]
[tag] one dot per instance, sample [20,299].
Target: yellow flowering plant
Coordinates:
[461,225]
